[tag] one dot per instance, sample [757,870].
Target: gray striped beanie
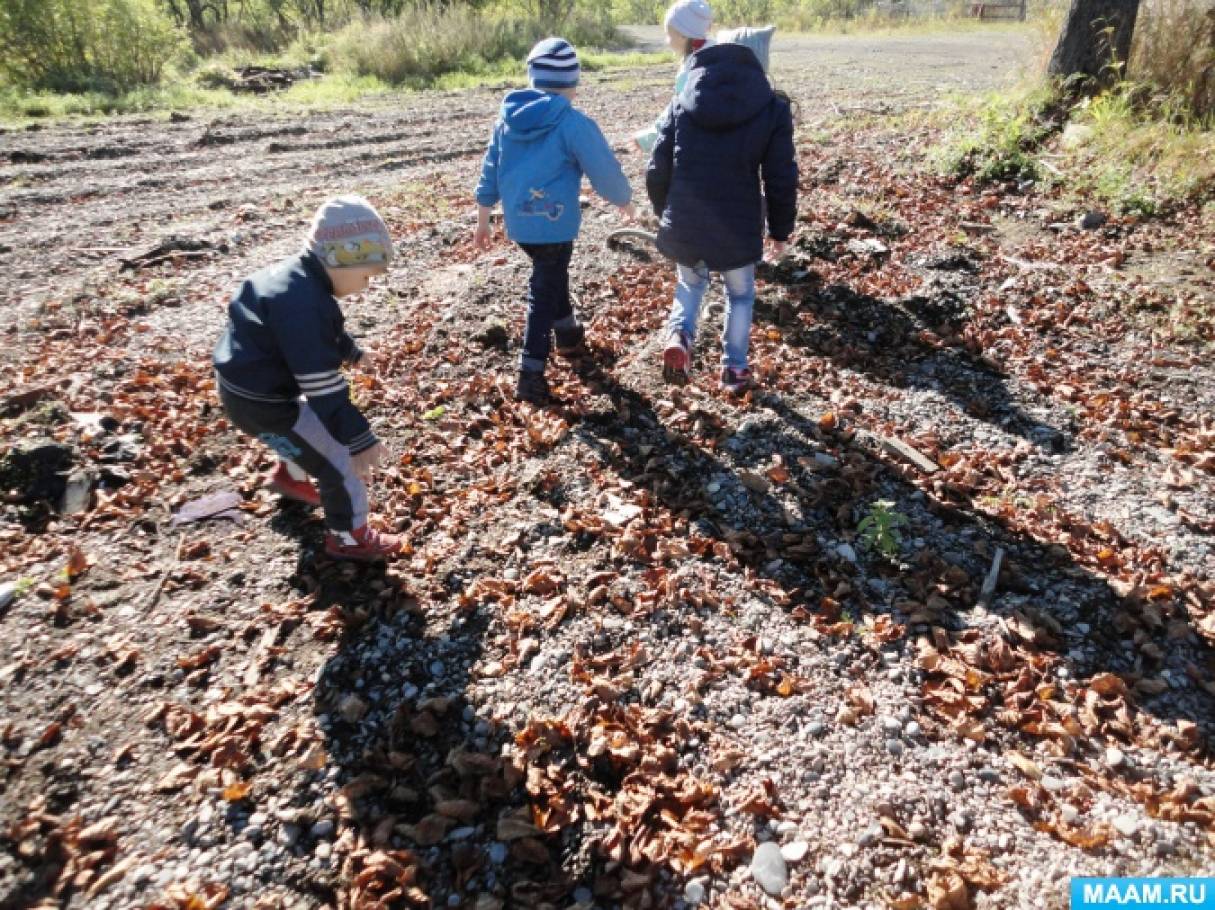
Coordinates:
[553,63]
[347,232]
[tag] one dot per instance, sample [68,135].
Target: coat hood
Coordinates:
[529,113]
[726,86]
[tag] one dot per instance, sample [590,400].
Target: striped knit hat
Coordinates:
[347,232]
[553,63]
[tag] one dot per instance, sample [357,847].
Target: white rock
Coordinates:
[768,868]
[846,551]
[693,892]
[795,851]
[620,513]
[1115,757]
[1127,824]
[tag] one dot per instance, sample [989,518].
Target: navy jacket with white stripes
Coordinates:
[285,338]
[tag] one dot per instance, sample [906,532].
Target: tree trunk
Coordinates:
[1095,42]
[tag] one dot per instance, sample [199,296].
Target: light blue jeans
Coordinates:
[740,300]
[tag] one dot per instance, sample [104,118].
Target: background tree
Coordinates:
[1095,42]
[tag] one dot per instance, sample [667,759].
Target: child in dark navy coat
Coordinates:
[722,176]
[278,366]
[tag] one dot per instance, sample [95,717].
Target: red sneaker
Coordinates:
[677,358]
[281,482]
[363,544]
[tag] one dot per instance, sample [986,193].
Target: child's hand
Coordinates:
[629,213]
[776,249]
[482,239]
[366,461]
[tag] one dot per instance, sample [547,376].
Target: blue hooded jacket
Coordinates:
[540,148]
[724,133]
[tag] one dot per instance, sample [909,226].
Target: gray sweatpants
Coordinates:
[295,433]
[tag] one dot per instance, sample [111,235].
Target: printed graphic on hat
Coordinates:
[538,204]
[366,251]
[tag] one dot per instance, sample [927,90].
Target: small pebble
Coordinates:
[1126,824]
[693,892]
[794,851]
[769,870]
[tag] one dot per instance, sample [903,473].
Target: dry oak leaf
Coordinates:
[541,581]
[424,724]
[510,829]
[530,850]
[464,810]
[430,830]
[1025,765]
[948,891]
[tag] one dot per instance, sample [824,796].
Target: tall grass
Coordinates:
[429,41]
[807,15]
[1142,157]
[1174,52]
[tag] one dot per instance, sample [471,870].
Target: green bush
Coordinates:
[1010,131]
[72,46]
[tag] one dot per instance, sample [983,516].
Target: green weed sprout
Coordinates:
[880,528]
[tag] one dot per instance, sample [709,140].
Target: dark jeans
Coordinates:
[548,299]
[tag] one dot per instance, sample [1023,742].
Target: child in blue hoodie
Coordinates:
[540,149]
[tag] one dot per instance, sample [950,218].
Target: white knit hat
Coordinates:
[347,232]
[691,18]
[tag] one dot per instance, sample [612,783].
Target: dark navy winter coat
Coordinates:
[724,133]
[285,338]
